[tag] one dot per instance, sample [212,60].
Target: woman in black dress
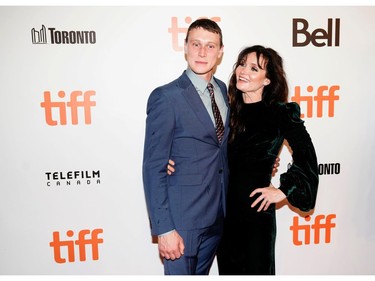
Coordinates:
[261,119]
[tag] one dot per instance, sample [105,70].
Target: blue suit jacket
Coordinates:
[178,127]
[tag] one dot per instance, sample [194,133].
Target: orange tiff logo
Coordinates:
[58,109]
[85,237]
[316,98]
[321,222]
[175,30]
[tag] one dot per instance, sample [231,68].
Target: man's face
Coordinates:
[203,52]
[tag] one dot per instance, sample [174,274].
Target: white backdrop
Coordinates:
[71,188]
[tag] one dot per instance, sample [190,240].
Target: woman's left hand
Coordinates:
[268,196]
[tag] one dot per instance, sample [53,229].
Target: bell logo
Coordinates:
[318,37]
[81,243]
[60,107]
[321,222]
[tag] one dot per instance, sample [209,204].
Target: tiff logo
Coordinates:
[39,37]
[324,94]
[321,222]
[69,245]
[60,107]
[175,31]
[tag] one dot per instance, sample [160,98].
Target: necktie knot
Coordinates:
[210,88]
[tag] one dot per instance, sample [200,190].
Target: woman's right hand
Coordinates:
[170,167]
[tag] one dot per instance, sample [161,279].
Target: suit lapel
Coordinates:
[226,125]
[197,106]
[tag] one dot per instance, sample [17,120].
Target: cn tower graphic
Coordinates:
[39,37]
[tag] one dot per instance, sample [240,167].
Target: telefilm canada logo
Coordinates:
[52,35]
[73,178]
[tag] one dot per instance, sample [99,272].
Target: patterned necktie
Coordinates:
[217,115]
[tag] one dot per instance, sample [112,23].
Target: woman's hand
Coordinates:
[170,167]
[275,166]
[268,196]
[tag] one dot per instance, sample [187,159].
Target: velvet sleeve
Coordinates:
[300,182]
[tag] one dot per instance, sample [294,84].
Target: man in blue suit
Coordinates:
[186,209]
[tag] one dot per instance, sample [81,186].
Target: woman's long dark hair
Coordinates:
[275,91]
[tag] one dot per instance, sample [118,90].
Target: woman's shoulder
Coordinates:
[288,106]
[289,112]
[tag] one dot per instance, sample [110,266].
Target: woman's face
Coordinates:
[250,77]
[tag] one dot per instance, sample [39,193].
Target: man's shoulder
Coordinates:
[219,82]
[179,83]
[222,85]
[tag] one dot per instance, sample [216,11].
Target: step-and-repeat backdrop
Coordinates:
[74,86]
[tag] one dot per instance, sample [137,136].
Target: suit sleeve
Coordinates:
[160,124]
[300,182]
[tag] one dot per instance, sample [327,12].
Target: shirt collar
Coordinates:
[199,82]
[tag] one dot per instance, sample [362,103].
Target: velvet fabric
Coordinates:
[248,243]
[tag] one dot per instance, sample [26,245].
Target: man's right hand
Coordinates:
[171,245]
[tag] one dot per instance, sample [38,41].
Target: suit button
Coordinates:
[220,171]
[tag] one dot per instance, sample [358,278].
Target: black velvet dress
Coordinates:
[248,244]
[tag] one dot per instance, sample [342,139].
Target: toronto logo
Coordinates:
[51,35]
[39,36]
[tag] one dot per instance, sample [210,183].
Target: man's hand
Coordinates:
[171,245]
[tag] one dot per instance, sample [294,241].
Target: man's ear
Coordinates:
[221,52]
